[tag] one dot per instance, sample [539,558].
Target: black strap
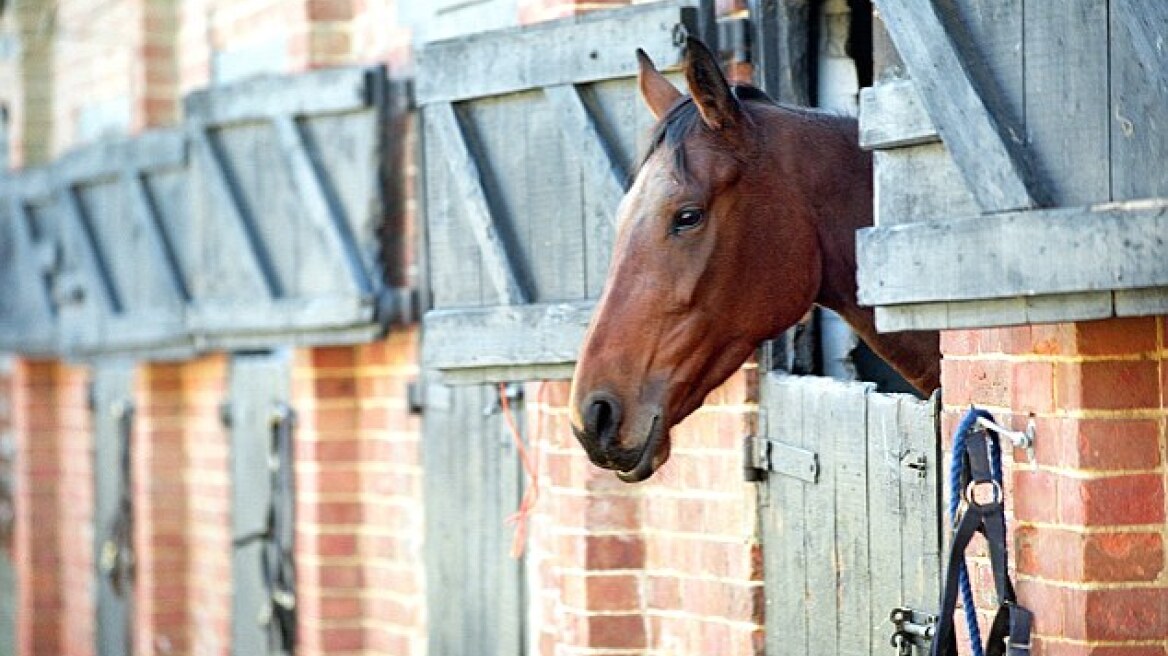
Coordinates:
[1010,632]
[276,553]
[117,557]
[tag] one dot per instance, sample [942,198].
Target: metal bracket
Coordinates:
[1020,439]
[911,628]
[762,455]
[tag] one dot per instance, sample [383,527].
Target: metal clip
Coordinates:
[1020,439]
[910,627]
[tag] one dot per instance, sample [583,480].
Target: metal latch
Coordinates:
[911,628]
[762,455]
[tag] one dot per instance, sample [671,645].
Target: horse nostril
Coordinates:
[602,415]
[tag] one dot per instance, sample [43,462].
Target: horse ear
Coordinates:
[657,92]
[711,93]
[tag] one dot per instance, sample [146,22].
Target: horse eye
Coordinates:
[687,219]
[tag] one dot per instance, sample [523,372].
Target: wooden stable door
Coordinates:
[112,394]
[850,515]
[261,492]
[473,482]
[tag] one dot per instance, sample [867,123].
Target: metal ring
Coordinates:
[997,498]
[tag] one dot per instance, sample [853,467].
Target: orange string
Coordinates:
[530,462]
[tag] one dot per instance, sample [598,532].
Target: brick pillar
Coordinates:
[54,504]
[161,511]
[208,514]
[1089,520]
[671,564]
[157,100]
[359,512]
[330,32]
[34,23]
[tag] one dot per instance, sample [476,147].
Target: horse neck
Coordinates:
[840,199]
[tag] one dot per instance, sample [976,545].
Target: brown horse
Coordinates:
[742,214]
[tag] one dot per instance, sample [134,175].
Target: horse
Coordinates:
[741,215]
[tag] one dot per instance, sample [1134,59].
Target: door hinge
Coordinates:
[762,455]
[911,628]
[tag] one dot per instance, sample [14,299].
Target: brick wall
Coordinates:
[670,565]
[359,516]
[54,501]
[1088,527]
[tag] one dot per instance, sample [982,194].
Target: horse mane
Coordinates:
[680,122]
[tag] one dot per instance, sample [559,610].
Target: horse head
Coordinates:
[716,226]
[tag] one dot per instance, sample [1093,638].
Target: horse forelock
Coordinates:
[680,123]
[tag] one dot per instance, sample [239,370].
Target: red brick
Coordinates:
[1127,336]
[1072,556]
[1098,444]
[1032,387]
[620,592]
[614,552]
[984,382]
[1056,647]
[616,631]
[1111,501]
[1108,385]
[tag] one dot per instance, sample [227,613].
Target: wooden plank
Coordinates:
[113,387]
[154,149]
[32,262]
[786,554]
[892,115]
[782,46]
[990,159]
[323,209]
[985,313]
[920,525]
[846,422]
[1067,79]
[504,336]
[886,456]
[464,171]
[917,184]
[1141,302]
[1139,98]
[326,91]
[247,254]
[95,263]
[147,216]
[579,49]
[1117,246]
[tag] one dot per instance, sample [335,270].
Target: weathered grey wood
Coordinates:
[985,313]
[1141,302]
[604,175]
[1118,246]
[238,316]
[920,491]
[886,456]
[846,421]
[1138,76]
[579,49]
[917,184]
[464,171]
[782,48]
[1066,81]
[508,335]
[325,212]
[892,115]
[113,389]
[154,149]
[147,214]
[508,373]
[236,247]
[991,160]
[785,552]
[472,484]
[256,384]
[95,262]
[326,91]
[28,303]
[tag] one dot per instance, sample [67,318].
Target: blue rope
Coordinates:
[955,494]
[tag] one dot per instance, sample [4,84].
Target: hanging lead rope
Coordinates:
[977,462]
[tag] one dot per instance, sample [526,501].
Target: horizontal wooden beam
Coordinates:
[157,149]
[327,91]
[1029,253]
[892,115]
[528,335]
[586,48]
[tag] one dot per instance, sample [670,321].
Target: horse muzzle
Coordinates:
[602,417]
